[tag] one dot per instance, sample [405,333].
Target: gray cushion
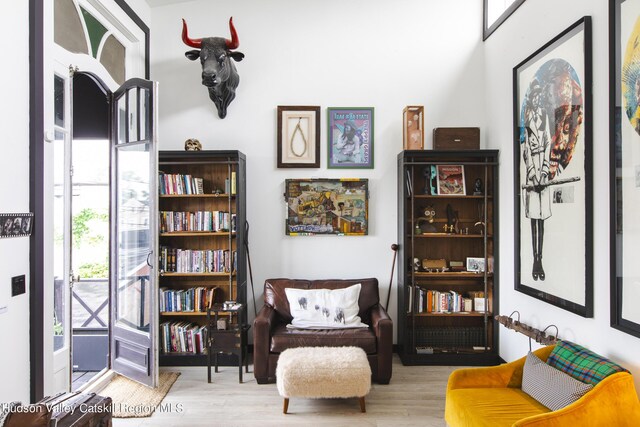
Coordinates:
[550,386]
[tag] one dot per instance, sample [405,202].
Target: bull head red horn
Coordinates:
[197,43]
[234,42]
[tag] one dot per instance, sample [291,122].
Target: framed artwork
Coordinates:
[413,127]
[327,206]
[298,137]
[624,164]
[496,12]
[16,225]
[350,135]
[552,159]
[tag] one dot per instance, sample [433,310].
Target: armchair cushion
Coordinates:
[325,308]
[550,386]
[582,364]
[283,338]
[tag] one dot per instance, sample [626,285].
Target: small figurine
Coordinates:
[478,189]
[192,144]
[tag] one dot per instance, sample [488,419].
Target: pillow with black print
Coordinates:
[325,308]
[550,386]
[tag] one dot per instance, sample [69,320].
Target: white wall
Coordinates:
[14,198]
[531,26]
[334,54]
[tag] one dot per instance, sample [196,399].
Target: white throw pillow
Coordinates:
[550,386]
[325,308]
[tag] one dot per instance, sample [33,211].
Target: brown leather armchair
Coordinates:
[271,336]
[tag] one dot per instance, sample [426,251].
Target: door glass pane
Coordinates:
[144,111]
[58,101]
[122,120]
[132,114]
[91,233]
[59,288]
[133,228]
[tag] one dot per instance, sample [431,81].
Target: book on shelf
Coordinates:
[183,337]
[176,260]
[177,184]
[211,221]
[451,180]
[192,300]
[434,301]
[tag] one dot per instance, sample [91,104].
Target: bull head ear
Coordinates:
[192,54]
[237,56]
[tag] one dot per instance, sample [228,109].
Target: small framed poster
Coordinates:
[451,180]
[350,135]
[16,225]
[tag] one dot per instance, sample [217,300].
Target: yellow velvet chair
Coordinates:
[492,397]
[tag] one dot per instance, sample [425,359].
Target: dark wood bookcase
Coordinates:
[223,175]
[452,329]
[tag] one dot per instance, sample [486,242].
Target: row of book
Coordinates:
[180,184]
[171,221]
[197,299]
[174,260]
[183,337]
[432,301]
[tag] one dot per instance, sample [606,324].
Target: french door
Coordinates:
[134,309]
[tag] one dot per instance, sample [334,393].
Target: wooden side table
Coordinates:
[232,340]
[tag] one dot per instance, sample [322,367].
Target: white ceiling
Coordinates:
[156,3]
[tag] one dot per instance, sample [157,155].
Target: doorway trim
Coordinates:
[37,97]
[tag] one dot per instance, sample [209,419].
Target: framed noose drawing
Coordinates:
[298,137]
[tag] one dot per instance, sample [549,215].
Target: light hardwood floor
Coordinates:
[414,397]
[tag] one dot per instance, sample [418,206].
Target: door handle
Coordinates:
[149,258]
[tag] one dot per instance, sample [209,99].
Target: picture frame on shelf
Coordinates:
[624,166]
[413,127]
[552,150]
[475,265]
[451,180]
[16,225]
[350,138]
[298,139]
[327,206]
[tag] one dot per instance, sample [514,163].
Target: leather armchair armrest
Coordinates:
[262,326]
[382,326]
[505,375]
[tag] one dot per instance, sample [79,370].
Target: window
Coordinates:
[496,12]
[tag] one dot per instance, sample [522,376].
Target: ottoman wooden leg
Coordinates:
[362,407]
[286,405]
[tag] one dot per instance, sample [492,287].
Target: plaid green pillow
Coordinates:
[581,363]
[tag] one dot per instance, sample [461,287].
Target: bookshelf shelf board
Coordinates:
[451,236]
[196,233]
[444,196]
[183,313]
[171,274]
[197,196]
[457,314]
[458,275]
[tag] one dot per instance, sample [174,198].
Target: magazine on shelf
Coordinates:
[451,180]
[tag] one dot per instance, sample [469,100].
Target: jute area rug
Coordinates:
[134,400]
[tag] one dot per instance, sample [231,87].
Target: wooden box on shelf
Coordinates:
[445,242]
[202,259]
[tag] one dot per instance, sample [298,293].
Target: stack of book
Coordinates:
[183,337]
[180,184]
[432,301]
[197,299]
[174,260]
[171,221]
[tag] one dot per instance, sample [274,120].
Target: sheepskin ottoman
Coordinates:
[323,372]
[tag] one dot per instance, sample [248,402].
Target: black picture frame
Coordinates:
[489,28]
[553,207]
[298,129]
[624,189]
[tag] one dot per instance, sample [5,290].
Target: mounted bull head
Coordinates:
[219,74]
